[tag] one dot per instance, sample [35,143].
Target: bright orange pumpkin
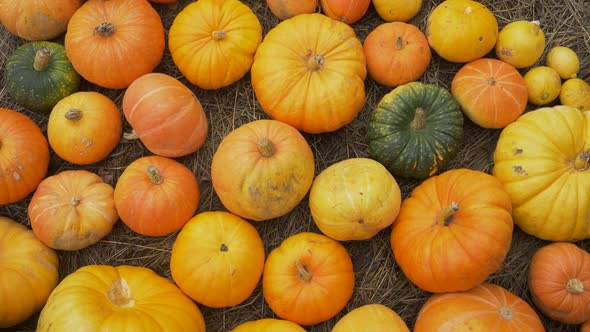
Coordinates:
[585,327]
[24,156]
[111,43]
[347,11]
[165,115]
[268,325]
[458,221]
[491,92]
[371,317]
[284,9]
[156,196]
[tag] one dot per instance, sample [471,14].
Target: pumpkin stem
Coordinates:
[73,115]
[575,286]
[582,161]
[446,215]
[120,294]
[468,10]
[506,313]
[155,175]
[223,247]
[266,147]
[105,29]
[218,34]
[535,27]
[42,58]
[491,81]
[316,62]
[131,135]
[399,43]
[303,272]
[75,201]
[419,119]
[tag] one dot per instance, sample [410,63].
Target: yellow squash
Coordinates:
[397,10]
[575,92]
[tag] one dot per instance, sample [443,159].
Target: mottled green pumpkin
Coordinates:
[415,130]
[39,74]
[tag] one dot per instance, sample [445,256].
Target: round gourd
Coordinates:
[284,9]
[457,221]
[543,85]
[397,10]
[268,325]
[461,30]
[354,199]
[72,210]
[217,259]
[213,42]
[308,279]
[165,115]
[347,11]
[396,53]
[521,43]
[585,327]
[111,43]
[564,61]
[486,307]
[575,92]
[84,127]
[415,130]
[28,273]
[491,92]
[37,20]
[24,156]
[122,298]
[262,169]
[543,161]
[299,80]
[371,317]
[559,282]
[39,74]
[156,196]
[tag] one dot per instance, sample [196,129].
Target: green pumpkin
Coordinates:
[39,74]
[415,130]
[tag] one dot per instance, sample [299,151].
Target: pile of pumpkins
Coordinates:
[448,237]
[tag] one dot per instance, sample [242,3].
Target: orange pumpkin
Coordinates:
[459,222]
[491,92]
[84,127]
[308,279]
[111,43]
[165,115]
[397,53]
[486,307]
[371,317]
[217,259]
[262,169]
[585,327]
[24,156]
[284,9]
[156,196]
[559,281]
[347,11]
[39,19]
[72,210]
[268,325]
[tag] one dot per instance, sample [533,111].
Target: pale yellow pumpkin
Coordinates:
[575,92]
[268,325]
[371,317]
[521,43]
[543,85]
[397,10]
[564,60]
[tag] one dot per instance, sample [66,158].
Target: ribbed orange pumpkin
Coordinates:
[347,11]
[165,115]
[285,9]
[491,92]
[585,327]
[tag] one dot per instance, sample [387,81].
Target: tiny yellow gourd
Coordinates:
[543,85]
[565,62]
[575,92]
[397,10]
[521,43]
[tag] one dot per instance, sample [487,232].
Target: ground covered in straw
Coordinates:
[378,278]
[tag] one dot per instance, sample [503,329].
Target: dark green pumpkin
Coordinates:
[415,130]
[39,74]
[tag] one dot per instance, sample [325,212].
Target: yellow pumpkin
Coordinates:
[268,325]
[397,10]
[575,92]
[521,43]
[213,42]
[543,161]
[371,317]
[564,60]
[543,85]
[461,30]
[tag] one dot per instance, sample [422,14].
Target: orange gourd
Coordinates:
[347,11]
[284,9]
[585,327]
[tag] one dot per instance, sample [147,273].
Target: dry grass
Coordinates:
[378,278]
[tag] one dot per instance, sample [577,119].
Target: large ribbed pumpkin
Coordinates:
[371,317]
[543,161]
[300,75]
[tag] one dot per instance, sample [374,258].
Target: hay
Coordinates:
[378,278]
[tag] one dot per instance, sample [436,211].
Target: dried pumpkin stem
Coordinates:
[575,286]
[266,147]
[155,175]
[75,201]
[506,313]
[223,247]
[419,120]
[445,217]
[535,27]
[73,115]
[316,62]
[120,294]
[399,43]
[42,58]
[105,29]
[303,272]
[582,161]
[218,34]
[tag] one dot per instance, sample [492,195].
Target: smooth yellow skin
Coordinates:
[521,43]
[268,325]
[564,60]
[575,92]
[543,85]
[371,317]
[397,10]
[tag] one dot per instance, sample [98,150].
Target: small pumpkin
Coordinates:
[461,30]
[457,221]
[39,74]
[217,259]
[396,53]
[491,92]
[371,317]
[585,327]
[268,325]
[72,210]
[308,279]
[102,297]
[415,130]
[543,162]
[521,43]
[354,199]
[213,42]
[559,282]
[111,43]
[152,187]
[347,11]
[487,307]
[564,61]
[398,10]
[165,115]
[543,85]
[306,92]
[24,156]
[37,20]
[284,9]
[575,92]
[84,127]
[262,169]
[28,273]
